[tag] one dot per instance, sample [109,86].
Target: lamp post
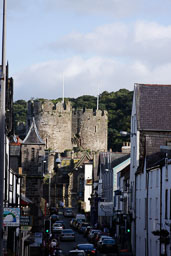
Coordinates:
[2,123]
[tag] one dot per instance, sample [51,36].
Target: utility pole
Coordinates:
[2,122]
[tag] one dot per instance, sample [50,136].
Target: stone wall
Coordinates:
[91,129]
[53,123]
[63,128]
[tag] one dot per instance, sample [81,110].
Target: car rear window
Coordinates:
[67,231]
[85,246]
[108,241]
[76,254]
[84,225]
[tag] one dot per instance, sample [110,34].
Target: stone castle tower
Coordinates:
[63,128]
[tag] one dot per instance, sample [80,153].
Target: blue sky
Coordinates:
[97,44]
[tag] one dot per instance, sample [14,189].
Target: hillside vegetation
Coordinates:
[118,104]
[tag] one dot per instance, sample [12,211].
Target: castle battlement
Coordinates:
[37,106]
[63,127]
[90,112]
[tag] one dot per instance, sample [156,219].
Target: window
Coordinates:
[157,178]
[133,157]
[151,179]
[150,214]
[156,208]
[166,199]
[140,181]
[166,174]
[139,208]
[145,213]
[32,154]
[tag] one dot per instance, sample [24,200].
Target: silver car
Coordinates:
[67,234]
[77,253]
[57,227]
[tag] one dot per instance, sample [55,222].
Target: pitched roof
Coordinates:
[153,105]
[86,156]
[33,136]
[155,159]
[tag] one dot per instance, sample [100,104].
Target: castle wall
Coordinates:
[91,129]
[63,128]
[53,123]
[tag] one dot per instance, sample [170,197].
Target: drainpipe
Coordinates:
[135,214]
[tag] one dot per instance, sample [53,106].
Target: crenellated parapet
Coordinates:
[53,122]
[37,107]
[62,127]
[90,129]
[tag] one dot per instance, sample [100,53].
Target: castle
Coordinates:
[63,128]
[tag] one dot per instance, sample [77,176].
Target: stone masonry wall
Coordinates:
[53,123]
[91,129]
[63,128]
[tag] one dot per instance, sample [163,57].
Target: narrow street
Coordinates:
[66,246]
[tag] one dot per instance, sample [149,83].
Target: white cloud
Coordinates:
[143,41]
[84,76]
[108,39]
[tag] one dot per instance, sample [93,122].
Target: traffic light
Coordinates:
[128,230]
[47,226]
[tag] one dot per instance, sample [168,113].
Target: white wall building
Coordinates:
[150,128]
[110,164]
[88,170]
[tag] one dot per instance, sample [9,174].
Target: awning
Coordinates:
[25,200]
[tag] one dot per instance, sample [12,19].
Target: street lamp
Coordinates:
[125,134]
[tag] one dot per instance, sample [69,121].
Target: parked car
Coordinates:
[82,226]
[53,210]
[76,223]
[71,222]
[88,248]
[68,213]
[92,233]
[77,253]
[99,238]
[67,234]
[87,230]
[61,222]
[54,217]
[107,245]
[80,217]
[57,227]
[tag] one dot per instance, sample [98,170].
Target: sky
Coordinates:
[96,45]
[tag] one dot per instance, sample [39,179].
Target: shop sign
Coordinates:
[11,217]
[105,209]
[25,221]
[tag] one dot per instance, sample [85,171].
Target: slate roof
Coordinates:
[153,105]
[156,159]
[33,136]
[114,159]
[86,156]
